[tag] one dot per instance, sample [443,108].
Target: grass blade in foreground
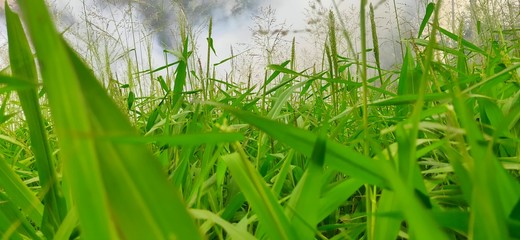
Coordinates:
[115,189]
[22,65]
[71,123]
[145,189]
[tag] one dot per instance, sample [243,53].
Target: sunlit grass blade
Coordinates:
[23,66]
[111,183]
[71,122]
[69,226]
[147,191]
[233,231]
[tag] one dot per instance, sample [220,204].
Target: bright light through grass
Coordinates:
[344,150]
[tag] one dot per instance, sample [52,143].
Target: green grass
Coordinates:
[347,151]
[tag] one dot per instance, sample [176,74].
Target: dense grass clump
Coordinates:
[349,151]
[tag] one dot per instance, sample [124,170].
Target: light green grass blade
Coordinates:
[193,139]
[389,218]
[489,203]
[20,194]
[143,185]
[13,224]
[22,65]
[270,214]
[233,231]
[71,123]
[494,193]
[14,84]
[69,224]
[112,184]
[352,163]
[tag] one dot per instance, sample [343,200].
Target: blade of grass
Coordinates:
[302,209]
[233,231]
[270,213]
[20,194]
[22,65]
[13,225]
[110,183]
[144,181]
[71,122]
[340,157]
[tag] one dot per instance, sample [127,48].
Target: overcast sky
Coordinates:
[232,21]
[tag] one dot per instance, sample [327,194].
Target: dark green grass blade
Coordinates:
[180,78]
[22,65]
[465,43]
[12,83]
[427,16]
[351,163]
[338,195]
[337,156]
[407,78]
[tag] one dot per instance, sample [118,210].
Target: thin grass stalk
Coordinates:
[138,76]
[427,72]
[398,23]
[208,59]
[375,43]
[87,29]
[371,201]
[293,62]
[153,90]
[334,60]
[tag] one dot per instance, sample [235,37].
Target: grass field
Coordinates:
[348,151]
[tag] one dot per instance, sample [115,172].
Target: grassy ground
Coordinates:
[353,151]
